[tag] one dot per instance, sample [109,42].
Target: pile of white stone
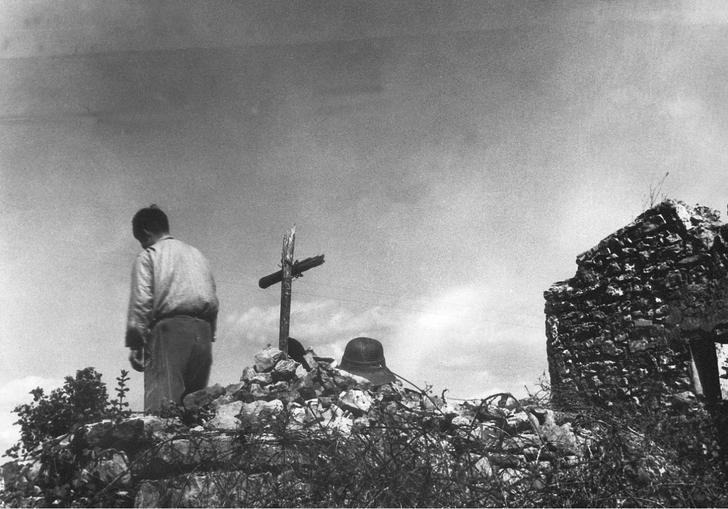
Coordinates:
[149,457]
[313,392]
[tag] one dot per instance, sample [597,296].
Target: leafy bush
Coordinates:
[82,399]
[45,425]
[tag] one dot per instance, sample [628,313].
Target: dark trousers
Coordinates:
[180,351]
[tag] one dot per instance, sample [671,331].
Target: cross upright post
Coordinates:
[289,270]
[287,276]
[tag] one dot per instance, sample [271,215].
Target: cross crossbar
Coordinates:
[299,267]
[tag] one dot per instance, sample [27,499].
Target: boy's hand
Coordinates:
[137,360]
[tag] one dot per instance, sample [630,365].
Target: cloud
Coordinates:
[325,325]
[19,389]
[707,12]
[12,394]
[692,122]
[463,341]
[462,338]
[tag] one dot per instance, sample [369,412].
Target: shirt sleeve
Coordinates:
[141,301]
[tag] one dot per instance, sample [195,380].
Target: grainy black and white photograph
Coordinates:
[363,253]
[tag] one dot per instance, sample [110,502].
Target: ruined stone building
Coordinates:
[645,317]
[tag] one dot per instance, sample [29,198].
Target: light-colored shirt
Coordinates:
[169,278]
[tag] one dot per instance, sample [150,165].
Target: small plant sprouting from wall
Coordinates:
[119,406]
[655,194]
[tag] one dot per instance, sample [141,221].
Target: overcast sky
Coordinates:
[449,159]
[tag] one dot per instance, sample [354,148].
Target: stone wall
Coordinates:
[645,315]
[283,424]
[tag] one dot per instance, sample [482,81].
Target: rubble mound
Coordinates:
[308,434]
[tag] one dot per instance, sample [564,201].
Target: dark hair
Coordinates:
[149,218]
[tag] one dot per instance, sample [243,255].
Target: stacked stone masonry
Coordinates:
[252,435]
[645,316]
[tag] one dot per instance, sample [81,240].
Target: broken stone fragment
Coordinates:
[198,399]
[285,369]
[264,378]
[313,410]
[519,421]
[391,392]
[335,418]
[300,372]
[249,411]
[185,454]
[309,380]
[128,435]
[483,467]
[258,392]
[560,437]
[488,433]
[110,466]
[345,379]
[506,460]
[329,387]
[705,236]
[532,453]
[266,359]
[327,415]
[223,400]
[431,406]
[283,391]
[652,224]
[355,400]
[297,416]
[325,362]
[306,393]
[512,475]
[613,291]
[571,461]
[253,412]
[309,361]
[318,391]
[269,408]
[233,392]
[233,388]
[248,374]
[20,473]
[226,417]
[278,387]
[460,420]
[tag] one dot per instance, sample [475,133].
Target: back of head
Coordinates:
[151,219]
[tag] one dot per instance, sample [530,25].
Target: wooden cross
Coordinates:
[289,270]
